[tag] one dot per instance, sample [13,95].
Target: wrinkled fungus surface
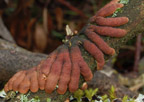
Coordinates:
[65,64]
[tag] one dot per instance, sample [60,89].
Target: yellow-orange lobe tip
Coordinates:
[84,86]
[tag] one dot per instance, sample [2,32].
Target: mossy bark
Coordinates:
[134,10]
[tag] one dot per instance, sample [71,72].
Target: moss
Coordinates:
[92,96]
[124,1]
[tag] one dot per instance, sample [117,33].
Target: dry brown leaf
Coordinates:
[59,18]
[72,25]
[67,100]
[30,32]
[45,20]
[50,24]
[40,38]
[84,86]
[25,3]
[1,12]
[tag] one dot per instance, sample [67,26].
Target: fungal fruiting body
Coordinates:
[95,52]
[104,27]
[62,68]
[64,65]
[78,66]
[57,67]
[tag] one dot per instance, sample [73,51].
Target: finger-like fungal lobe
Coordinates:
[23,81]
[78,66]
[92,49]
[33,77]
[65,73]
[104,27]
[63,68]
[11,84]
[16,83]
[24,86]
[107,10]
[44,67]
[64,65]
[102,45]
[59,69]
[112,22]
[109,31]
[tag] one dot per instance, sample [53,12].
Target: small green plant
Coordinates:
[105,98]
[125,98]
[115,13]
[90,93]
[119,9]
[79,94]
[124,1]
[111,97]
[10,95]
[24,98]
[48,100]
[112,93]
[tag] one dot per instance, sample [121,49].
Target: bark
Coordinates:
[6,35]
[14,58]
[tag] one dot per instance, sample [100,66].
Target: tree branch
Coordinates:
[133,10]
[5,34]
